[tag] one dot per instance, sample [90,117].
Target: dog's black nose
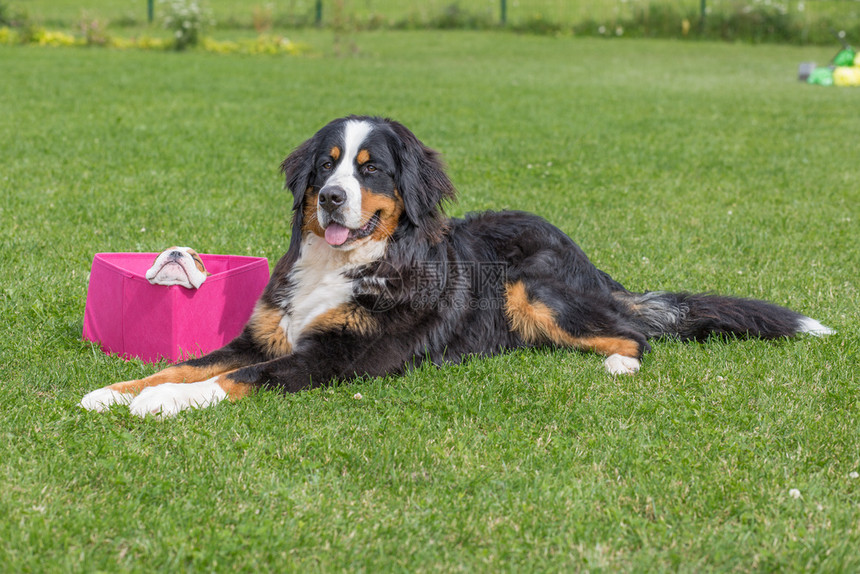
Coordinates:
[332,197]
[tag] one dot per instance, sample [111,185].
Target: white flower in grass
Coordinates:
[794,493]
[854,474]
[357,396]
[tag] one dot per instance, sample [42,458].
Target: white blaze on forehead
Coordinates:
[355,132]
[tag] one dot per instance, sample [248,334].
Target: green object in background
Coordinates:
[821,77]
[845,57]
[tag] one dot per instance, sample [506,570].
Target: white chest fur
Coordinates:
[320,283]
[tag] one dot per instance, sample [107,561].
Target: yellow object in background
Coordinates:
[845,76]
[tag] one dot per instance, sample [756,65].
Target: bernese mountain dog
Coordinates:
[377,279]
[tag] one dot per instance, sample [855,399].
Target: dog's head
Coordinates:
[178,266]
[362,179]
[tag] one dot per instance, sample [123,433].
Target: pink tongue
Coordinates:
[336,234]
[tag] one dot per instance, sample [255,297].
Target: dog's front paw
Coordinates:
[100,400]
[167,399]
[620,365]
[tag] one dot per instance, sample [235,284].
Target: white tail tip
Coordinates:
[813,327]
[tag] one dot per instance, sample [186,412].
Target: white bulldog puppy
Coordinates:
[178,266]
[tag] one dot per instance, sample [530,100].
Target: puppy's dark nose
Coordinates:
[332,197]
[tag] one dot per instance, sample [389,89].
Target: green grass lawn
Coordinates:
[674,165]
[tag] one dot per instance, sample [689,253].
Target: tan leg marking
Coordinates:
[349,317]
[177,374]
[234,390]
[609,346]
[536,324]
[265,327]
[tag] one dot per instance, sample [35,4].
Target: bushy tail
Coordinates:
[696,316]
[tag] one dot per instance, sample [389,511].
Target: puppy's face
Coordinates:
[178,266]
[351,196]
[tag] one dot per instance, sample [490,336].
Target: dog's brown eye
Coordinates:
[327,165]
[370,168]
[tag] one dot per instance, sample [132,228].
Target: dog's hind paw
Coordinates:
[620,365]
[100,400]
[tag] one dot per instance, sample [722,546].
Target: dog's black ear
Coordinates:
[422,180]
[298,168]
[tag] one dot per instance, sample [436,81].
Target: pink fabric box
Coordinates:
[128,316]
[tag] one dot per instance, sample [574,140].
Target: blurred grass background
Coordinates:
[795,21]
